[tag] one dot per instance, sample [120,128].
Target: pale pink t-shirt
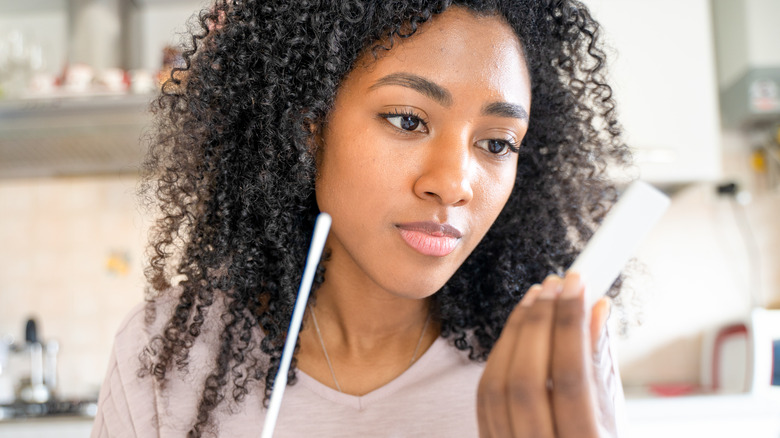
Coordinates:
[435,397]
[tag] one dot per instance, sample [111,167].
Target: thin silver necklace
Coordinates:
[325,350]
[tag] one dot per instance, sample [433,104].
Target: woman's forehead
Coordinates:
[456,48]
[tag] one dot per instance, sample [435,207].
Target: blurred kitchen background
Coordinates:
[698,84]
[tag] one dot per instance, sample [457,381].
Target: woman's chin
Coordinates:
[416,289]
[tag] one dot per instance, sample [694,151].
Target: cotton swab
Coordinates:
[621,231]
[321,229]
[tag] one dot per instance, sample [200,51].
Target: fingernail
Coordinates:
[531,295]
[604,307]
[551,287]
[572,286]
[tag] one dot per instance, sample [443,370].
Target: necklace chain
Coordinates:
[327,357]
[324,350]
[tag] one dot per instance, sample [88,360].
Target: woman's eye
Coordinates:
[497,147]
[406,122]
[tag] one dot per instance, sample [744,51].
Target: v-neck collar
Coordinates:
[363,401]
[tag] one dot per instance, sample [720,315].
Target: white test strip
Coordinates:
[321,229]
[613,243]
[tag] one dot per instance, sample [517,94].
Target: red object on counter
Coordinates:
[673,389]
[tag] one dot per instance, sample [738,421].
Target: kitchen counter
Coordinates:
[71,426]
[61,419]
[713,416]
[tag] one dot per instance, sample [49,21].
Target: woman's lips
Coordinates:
[430,238]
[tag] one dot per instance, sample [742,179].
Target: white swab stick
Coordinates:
[619,235]
[321,228]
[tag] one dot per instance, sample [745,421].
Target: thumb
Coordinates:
[598,322]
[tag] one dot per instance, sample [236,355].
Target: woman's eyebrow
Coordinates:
[444,97]
[417,83]
[505,109]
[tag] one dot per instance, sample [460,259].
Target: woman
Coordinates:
[460,149]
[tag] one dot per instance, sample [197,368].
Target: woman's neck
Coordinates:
[370,335]
[359,321]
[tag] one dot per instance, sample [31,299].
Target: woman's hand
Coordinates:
[542,378]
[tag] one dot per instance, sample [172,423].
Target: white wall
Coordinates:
[696,274]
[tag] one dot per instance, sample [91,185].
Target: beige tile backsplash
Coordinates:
[58,239]
[64,242]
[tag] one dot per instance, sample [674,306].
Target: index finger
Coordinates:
[572,389]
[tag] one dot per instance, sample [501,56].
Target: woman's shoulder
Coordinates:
[127,402]
[134,323]
[146,318]
[145,330]
[133,401]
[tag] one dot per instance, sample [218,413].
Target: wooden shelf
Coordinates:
[67,135]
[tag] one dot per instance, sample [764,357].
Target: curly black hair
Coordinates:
[232,169]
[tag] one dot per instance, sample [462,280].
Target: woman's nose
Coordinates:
[446,173]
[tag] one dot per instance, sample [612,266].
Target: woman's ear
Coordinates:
[316,141]
[315,134]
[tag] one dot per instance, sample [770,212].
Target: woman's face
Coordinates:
[415,161]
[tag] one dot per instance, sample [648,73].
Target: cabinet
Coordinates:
[748,61]
[663,76]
